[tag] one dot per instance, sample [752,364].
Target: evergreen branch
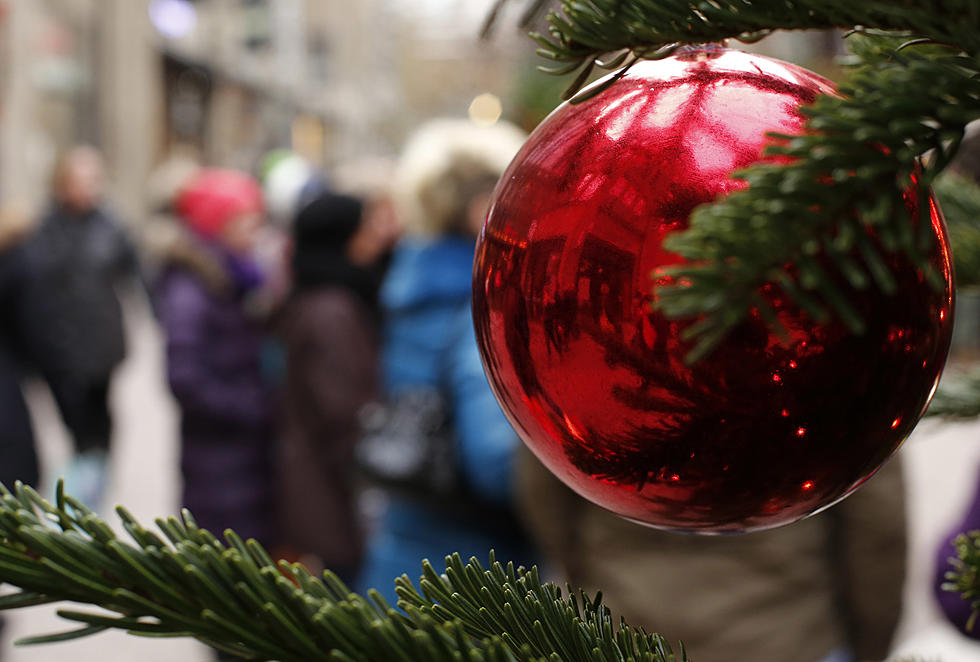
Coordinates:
[586,32]
[964,575]
[815,214]
[958,396]
[907,99]
[515,606]
[959,197]
[233,597]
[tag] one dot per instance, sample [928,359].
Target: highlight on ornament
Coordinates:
[771,427]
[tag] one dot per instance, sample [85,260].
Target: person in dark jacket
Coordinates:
[444,181]
[825,589]
[329,328]
[18,457]
[212,349]
[73,319]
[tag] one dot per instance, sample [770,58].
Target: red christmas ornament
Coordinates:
[763,432]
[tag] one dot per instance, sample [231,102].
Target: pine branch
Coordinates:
[958,396]
[588,32]
[964,575]
[232,596]
[502,603]
[959,197]
[908,97]
[816,213]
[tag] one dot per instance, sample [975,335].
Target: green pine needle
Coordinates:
[963,577]
[584,32]
[960,201]
[958,396]
[230,595]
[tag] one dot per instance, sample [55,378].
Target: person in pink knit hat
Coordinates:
[213,355]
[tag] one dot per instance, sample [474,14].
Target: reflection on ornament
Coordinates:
[766,430]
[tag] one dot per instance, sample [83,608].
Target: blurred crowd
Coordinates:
[291,301]
[319,345]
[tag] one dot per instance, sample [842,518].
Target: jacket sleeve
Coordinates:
[487,441]
[183,307]
[127,262]
[130,268]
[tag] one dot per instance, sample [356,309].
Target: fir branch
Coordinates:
[815,213]
[958,396]
[959,197]
[502,602]
[587,32]
[907,98]
[963,577]
[232,596]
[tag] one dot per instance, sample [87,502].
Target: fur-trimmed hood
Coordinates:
[440,165]
[169,244]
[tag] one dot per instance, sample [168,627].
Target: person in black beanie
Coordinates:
[329,328]
[336,243]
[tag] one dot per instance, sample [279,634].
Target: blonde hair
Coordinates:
[444,164]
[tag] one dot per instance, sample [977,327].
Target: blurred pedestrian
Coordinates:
[289,183]
[72,314]
[826,589]
[18,457]
[369,179]
[430,359]
[212,348]
[330,331]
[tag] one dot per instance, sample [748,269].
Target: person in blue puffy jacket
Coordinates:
[443,184]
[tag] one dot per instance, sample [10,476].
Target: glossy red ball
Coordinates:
[764,431]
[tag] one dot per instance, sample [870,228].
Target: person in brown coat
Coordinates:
[826,589]
[329,328]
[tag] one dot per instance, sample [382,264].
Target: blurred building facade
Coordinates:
[69,72]
[229,80]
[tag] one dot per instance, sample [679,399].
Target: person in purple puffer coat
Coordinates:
[213,356]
